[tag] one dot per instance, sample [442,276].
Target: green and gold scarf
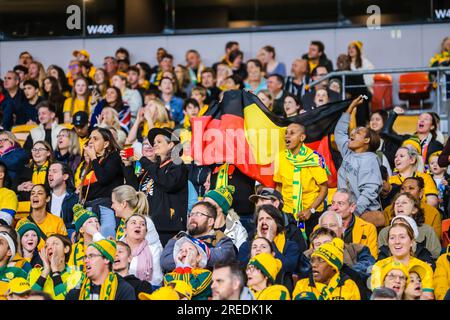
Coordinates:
[107,291]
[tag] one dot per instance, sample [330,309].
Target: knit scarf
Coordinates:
[120,230]
[78,255]
[108,289]
[145,261]
[327,290]
[39,173]
[222,177]
[280,241]
[305,158]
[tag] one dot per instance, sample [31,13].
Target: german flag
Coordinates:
[240,130]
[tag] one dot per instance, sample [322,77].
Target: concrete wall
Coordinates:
[413,49]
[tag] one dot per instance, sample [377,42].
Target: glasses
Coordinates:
[90,256]
[8,78]
[197,214]
[4,140]
[394,277]
[38,150]
[62,135]
[74,66]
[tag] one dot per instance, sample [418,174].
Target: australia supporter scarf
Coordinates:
[39,173]
[280,241]
[107,291]
[305,158]
[327,290]
[77,258]
[120,230]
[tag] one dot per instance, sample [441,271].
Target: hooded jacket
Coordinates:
[359,172]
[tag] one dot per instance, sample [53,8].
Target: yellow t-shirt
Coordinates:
[51,225]
[430,185]
[311,178]
[78,105]
[274,292]
[348,291]
[427,281]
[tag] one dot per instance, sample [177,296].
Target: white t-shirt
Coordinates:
[57,204]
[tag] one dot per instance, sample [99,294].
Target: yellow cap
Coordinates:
[164,293]
[391,266]
[83,52]
[18,286]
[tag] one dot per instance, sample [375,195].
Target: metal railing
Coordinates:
[440,79]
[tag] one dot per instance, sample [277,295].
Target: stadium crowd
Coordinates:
[93,206]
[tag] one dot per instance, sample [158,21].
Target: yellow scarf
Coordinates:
[39,173]
[120,230]
[280,241]
[77,256]
[108,289]
[327,290]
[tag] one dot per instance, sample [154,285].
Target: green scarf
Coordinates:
[222,176]
[77,256]
[327,290]
[305,158]
[120,230]
[107,291]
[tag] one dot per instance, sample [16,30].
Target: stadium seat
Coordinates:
[405,124]
[23,210]
[22,131]
[382,92]
[414,88]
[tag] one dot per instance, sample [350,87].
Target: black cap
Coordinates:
[80,119]
[269,194]
[167,132]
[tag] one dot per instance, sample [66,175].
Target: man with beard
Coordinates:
[228,282]
[200,225]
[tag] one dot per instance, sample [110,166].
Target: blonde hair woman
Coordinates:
[109,118]
[36,71]
[409,163]
[127,202]
[153,115]
[68,149]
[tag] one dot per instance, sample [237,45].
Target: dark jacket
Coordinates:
[108,175]
[168,197]
[198,176]
[124,291]
[138,285]
[323,61]
[221,247]
[71,160]
[69,201]
[278,104]
[26,175]
[9,105]
[15,160]
[289,256]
